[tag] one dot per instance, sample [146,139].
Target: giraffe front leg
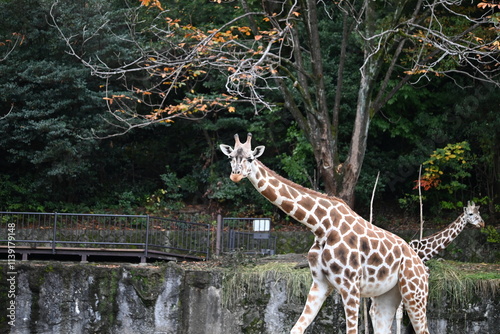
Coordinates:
[318,293]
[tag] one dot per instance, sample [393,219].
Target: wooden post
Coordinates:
[218,236]
[421,205]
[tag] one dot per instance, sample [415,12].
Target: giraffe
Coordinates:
[429,246]
[349,254]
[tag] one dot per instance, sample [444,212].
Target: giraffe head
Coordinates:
[242,157]
[472,216]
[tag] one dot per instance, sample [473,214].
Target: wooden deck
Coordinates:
[96,254]
[99,237]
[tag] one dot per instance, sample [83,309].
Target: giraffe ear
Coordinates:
[258,151]
[226,149]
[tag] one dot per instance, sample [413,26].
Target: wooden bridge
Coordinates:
[28,235]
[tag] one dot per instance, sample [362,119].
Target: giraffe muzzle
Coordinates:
[236,177]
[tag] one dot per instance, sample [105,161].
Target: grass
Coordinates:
[459,283]
[244,281]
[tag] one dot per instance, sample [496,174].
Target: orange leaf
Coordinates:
[108,99]
[151,3]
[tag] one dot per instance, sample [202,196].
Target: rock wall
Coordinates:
[61,298]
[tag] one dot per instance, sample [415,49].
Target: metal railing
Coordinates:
[247,235]
[62,231]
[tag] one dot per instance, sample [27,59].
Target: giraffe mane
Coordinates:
[301,188]
[441,231]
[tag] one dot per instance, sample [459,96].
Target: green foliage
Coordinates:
[453,205]
[48,159]
[452,161]
[227,190]
[50,98]
[448,205]
[19,195]
[176,192]
[177,188]
[492,234]
[444,176]
[127,202]
[446,171]
[300,162]
[240,198]
[49,162]
[409,201]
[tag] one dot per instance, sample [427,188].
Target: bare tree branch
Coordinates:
[8,112]
[396,42]
[11,45]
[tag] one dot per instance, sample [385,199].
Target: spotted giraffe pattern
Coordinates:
[349,254]
[428,247]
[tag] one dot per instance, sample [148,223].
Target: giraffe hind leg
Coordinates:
[414,296]
[383,310]
[417,317]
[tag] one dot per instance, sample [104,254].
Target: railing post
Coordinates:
[218,235]
[209,231]
[147,237]
[54,234]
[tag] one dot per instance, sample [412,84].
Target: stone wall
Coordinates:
[61,298]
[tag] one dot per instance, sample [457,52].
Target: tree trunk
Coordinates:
[323,149]
[321,138]
[351,168]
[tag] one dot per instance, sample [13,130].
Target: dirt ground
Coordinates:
[300,261]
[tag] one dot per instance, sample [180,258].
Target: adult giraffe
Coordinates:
[349,254]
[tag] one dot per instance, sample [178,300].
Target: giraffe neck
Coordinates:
[304,205]
[443,238]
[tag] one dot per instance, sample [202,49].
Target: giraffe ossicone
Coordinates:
[349,254]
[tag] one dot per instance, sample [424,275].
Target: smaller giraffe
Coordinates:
[429,246]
